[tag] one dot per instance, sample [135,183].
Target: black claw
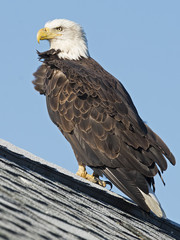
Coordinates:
[110,184]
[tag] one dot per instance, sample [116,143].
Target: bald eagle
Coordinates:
[96,115]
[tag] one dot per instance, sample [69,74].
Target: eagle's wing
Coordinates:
[98,118]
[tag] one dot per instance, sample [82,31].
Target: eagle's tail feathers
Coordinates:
[147,201]
[153,203]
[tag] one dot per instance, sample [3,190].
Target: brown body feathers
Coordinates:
[97,116]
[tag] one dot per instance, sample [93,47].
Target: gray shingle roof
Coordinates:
[39,200]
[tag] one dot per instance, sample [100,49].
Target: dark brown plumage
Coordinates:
[97,116]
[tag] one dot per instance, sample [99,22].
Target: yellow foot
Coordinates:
[92,178]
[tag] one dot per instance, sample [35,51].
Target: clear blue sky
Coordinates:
[136,41]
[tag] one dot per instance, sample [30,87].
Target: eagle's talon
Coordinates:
[109,183]
[92,178]
[99,182]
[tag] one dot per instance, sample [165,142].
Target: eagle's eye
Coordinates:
[59,28]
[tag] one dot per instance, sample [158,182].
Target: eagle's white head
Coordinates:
[66,36]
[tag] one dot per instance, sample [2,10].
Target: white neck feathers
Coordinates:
[70,49]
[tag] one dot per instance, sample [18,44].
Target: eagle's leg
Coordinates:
[92,178]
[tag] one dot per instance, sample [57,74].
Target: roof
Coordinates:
[39,200]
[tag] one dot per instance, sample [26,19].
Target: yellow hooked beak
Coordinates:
[46,33]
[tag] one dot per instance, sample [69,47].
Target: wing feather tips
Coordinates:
[160,144]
